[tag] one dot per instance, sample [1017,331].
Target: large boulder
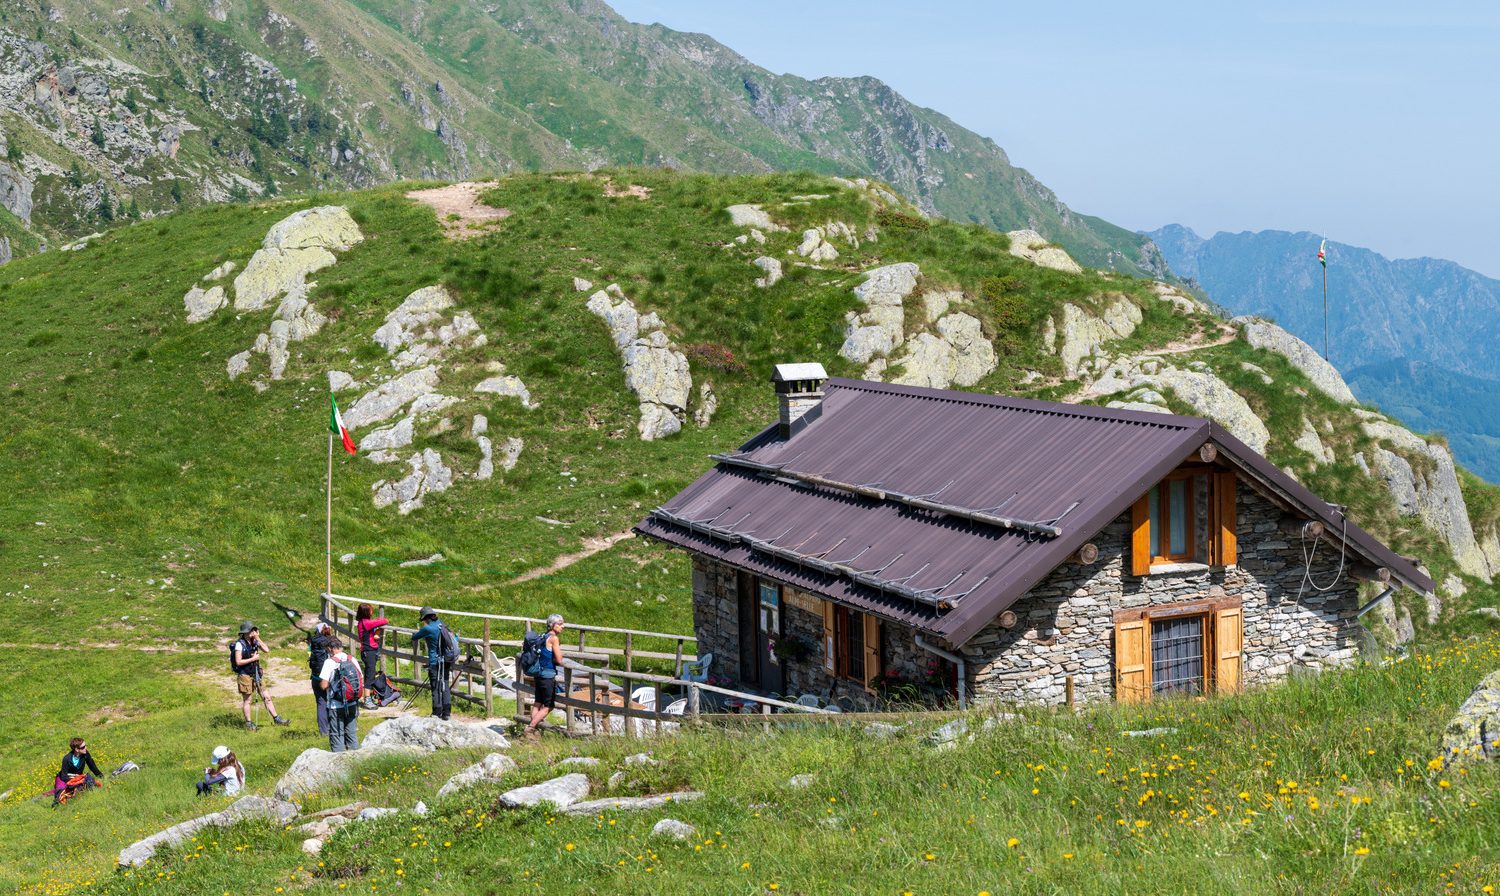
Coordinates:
[428,475]
[1080,334]
[1265,335]
[655,370]
[318,771]
[1033,247]
[633,803]
[751,216]
[488,770]
[201,303]
[428,734]
[384,401]
[15,192]
[295,247]
[1474,732]
[959,355]
[1211,397]
[880,328]
[245,808]
[1428,490]
[561,792]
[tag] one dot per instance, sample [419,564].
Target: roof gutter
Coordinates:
[963,668]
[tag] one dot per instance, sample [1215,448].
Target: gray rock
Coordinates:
[880,328]
[1487,612]
[1082,334]
[960,355]
[375,812]
[815,246]
[801,782]
[1150,732]
[632,803]
[428,734]
[751,216]
[1033,247]
[407,322]
[1310,442]
[882,730]
[640,759]
[238,364]
[1454,587]
[491,769]
[245,808]
[582,285]
[428,476]
[1263,334]
[506,386]
[420,809]
[586,761]
[674,829]
[338,381]
[385,400]
[772,267]
[561,792]
[1211,397]
[319,771]
[15,191]
[422,561]
[655,371]
[312,845]
[708,403]
[948,733]
[202,303]
[1474,732]
[388,438]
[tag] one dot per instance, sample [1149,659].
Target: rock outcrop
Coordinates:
[245,808]
[1033,247]
[1429,490]
[654,369]
[560,792]
[489,770]
[295,247]
[1474,732]
[1310,442]
[1080,335]
[429,734]
[317,771]
[958,355]
[632,803]
[880,328]
[201,303]
[418,332]
[1197,387]
[428,476]
[1263,334]
[772,267]
[390,397]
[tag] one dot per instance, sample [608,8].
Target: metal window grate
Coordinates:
[1177,655]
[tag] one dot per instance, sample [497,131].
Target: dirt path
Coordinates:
[459,210]
[591,546]
[1227,334]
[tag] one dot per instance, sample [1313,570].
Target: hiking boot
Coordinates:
[280,720]
[251,726]
[531,734]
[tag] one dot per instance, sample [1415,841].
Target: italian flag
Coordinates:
[337,427]
[1322,255]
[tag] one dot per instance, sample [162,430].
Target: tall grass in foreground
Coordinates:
[1321,785]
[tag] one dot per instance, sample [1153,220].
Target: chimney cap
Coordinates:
[807,370]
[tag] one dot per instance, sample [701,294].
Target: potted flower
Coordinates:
[790,649]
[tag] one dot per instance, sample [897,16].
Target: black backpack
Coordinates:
[448,648]
[317,647]
[532,647]
[249,649]
[345,685]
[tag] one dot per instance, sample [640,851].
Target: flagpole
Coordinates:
[1325,313]
[328,543]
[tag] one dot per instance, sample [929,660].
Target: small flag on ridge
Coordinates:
[1322,255]
[337,427]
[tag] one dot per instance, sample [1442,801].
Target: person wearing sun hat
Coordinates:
[226,772]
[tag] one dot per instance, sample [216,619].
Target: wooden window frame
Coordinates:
[1221,525]
[1223,646]
[1161,541]
[839,622]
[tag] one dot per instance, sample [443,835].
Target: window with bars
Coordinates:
[852,643]
[1177,655]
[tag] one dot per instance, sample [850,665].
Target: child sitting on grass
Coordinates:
[226,771]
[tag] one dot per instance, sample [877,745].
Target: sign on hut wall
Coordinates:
[804,601]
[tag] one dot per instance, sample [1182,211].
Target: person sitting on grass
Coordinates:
[226,772]
[72,777]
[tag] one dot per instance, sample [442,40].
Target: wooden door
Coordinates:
[768,623]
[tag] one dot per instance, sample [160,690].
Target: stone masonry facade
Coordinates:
[1065,624]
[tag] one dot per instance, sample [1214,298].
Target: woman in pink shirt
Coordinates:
[369,626]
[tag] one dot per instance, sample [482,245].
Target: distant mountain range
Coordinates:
[1415,336]
[111,111]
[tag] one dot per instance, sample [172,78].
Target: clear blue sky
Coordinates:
[1376,123]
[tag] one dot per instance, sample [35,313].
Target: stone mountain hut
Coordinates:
[929,545]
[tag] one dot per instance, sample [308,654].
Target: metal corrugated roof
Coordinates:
[1071,466]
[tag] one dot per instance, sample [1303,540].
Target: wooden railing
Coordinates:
[473,675]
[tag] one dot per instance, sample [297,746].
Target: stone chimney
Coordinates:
[799,392]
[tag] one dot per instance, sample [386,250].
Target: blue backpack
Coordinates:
[532,648]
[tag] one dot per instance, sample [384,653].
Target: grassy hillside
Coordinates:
[152,503]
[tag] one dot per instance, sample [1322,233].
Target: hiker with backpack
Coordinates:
[320,646]
[369,632]
[542,658]
[342,682]
[244,662]
[72,777]
[226,772]
[442,653]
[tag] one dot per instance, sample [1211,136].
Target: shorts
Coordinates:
[248,685]
[546,693]
[370,659]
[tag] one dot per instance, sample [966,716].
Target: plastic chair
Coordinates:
[676,707]
[697,670]
[809,700]
[645,695]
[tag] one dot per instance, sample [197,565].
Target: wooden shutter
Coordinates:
[1132,653]
[1140,538]
[1225,542]
[872,650]
[1229,634]
[829,653]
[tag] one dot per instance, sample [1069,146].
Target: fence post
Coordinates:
[489,684]
[677,663]
[659,707]
[1068,691]
[323,607]
[568,694]
[765,710]
[629,651]
[593,699]
[694,701]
